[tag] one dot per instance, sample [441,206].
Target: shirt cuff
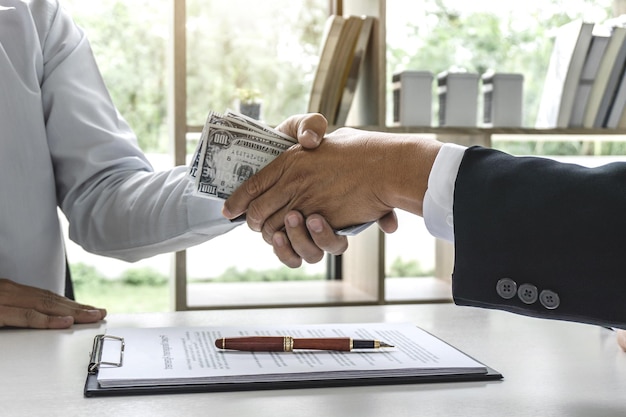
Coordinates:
[439,198]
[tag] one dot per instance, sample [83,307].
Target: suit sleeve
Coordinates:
[542,238]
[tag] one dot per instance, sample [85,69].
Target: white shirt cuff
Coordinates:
[439,198]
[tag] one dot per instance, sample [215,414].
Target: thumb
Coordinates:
[309,129]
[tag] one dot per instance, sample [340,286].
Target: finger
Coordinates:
[274,223]
[46,302]
[309,129]
[52,304]
[239,201]
[324,236]
[30,318]
[300,239]
[389,222]
[284,251]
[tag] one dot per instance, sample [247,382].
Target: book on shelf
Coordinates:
[599,41]
[617,114]
[571,45]
[607,80]
[330,39]
[353,70]
[344,45]
[337,75]
[187,359]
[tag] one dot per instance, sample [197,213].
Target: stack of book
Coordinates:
[585,84]
[344,45]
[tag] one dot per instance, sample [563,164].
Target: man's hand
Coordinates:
[25,306]
[300,240]
[306,240]
[352,177]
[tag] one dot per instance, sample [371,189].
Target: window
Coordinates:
[269,47]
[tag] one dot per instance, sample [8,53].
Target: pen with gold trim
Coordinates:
[288,343]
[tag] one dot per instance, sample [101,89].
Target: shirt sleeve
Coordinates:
[115,203]
[439,198]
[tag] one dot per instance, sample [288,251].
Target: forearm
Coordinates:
[406,171]
[557,227]
[133,215]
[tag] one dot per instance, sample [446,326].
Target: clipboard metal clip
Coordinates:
[96,353]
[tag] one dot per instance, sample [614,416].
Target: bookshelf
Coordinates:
[370,106]
[363,265]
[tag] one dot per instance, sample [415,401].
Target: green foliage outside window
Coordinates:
[519,41]
[273,49]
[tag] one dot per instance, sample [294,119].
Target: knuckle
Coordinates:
[254,211]
[32,317]
[268,232]
[48,300]
[252,186]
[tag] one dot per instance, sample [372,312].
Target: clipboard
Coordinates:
[93,388]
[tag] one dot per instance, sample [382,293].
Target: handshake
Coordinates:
[233,148]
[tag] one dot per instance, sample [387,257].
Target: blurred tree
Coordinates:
[129,41]
[273,47]
[473,39]
[268,46]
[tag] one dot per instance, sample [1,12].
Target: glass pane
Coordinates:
[517,37]
[129,40]
[410,250]
[271,50]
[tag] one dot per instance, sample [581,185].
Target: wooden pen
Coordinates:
[288,343]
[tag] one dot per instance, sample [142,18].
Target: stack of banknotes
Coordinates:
[232,148]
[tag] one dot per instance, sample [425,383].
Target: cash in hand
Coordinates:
[231,149]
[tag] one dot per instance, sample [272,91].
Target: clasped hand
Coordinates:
[290,190]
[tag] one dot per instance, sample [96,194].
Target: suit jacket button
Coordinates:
[549,299]
[527,293]
[506,288]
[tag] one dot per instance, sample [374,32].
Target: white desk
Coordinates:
[550,369]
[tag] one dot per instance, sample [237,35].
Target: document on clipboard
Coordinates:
[186,359]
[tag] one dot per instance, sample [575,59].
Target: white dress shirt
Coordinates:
[439,198]
[62,143]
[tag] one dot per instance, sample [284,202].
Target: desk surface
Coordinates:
[550,369]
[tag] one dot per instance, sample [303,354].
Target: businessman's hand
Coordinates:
[25,306]
[299,240]
[352,177]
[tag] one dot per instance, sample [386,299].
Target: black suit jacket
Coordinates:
[541,238]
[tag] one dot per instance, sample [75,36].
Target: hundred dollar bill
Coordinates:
[263,133]
[229,156]
[251,123]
